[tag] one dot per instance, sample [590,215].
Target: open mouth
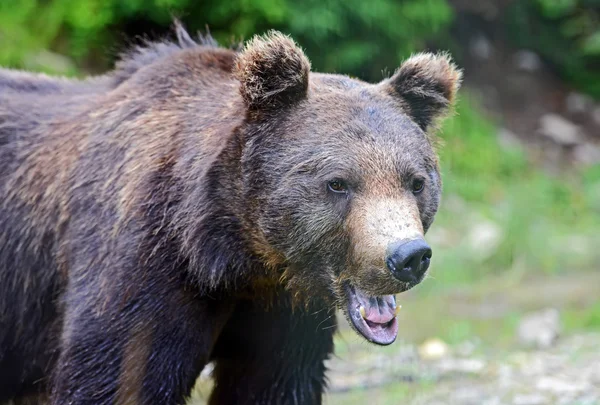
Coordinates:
[373,317]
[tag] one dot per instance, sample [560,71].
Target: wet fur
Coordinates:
[142,219]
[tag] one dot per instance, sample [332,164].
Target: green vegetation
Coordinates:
[353,36]
[566,33]
[533,222]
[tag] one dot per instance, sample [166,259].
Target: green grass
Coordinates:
[586,318]
[388,394]
[541,223]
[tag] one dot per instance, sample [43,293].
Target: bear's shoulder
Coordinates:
[169,59]
[159,59]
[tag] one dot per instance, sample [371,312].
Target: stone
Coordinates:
[481,47]
[433,349]
[527,61]
[596,115]
[540,329]
[587,154]
[467,366]
[530,399]
[577,103]
[560,130]
[560,386]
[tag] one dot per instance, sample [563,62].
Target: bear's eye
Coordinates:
[418,185]
[338,186]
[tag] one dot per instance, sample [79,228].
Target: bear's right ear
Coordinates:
[273,72]
[427,85]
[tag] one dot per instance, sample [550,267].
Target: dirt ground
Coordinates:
[568,373]
[480,358]
[461,346]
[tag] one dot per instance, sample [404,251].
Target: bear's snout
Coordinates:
[408,260]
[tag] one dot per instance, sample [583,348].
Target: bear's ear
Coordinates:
[273,72]
[427,85]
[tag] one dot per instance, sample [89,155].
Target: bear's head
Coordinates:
[341,176]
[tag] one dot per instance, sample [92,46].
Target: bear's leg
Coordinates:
[147,350]
[273,355]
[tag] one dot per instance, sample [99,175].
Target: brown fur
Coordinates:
[428,83]
[149,215]
[273,72]
[133,367]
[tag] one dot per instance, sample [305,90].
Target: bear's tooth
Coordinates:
[363,312]
[397,309]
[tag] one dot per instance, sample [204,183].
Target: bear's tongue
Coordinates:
[373,317]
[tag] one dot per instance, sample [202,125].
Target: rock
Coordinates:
[467,395]
[560,130]
[530,399]
[491,401]
[469,366]
[587,154]
[433,349]
[540,329]
[577,103]
[484,238]
[561,386]
[527,61]
[505,376]
[481,47]
[596,115]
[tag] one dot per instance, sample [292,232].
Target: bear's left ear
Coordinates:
[273,72]
[427,85]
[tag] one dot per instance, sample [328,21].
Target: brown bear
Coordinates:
[199,204]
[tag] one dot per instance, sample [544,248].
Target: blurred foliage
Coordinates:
[353,36]
[564,32]
[532,221]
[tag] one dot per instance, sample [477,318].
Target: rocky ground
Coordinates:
[436,374]
[526,343]
[495,343]
[559,125]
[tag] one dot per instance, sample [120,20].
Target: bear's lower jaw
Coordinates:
[372,317]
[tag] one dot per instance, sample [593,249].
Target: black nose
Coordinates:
[408,261]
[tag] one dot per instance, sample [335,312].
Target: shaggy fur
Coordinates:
[273,72]
[176,210]
[428,83]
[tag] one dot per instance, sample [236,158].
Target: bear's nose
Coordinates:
[408,260]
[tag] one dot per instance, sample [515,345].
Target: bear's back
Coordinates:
[163,101]
[40,114]
[70,149]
